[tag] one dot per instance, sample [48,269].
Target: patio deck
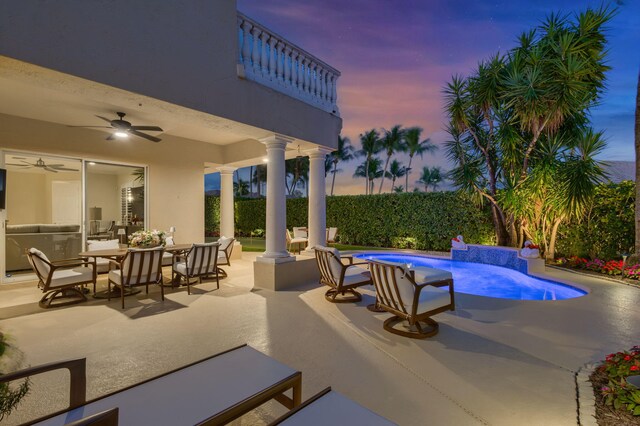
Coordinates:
[497,362]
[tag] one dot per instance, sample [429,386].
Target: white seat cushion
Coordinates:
[224,243]
[167,258]
[433,298]
[181,268]
[424,274]
[354,275]
[298,240]
[115,275]
[94,245]
[62,277]
[42,269]
[102,264]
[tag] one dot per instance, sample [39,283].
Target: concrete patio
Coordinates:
[495,362]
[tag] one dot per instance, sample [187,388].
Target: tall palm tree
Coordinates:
[413,145]
[391,142]
[241,187]
[430,177]
[343,153]
[396,170]
[251,180]
[370,142]
[297,169]
[374,172]
[260,176]
[398,189]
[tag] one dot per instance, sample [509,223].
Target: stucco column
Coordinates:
[276,242]
[226,201]
[317,219]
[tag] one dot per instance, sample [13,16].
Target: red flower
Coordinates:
[634,368]
[627,358]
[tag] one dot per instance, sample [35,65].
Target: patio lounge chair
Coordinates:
[340,277]
[329,407]
[212,391]
[332,233]
[412,295]
[62,279]
[200,261]
[224,253]
[295,242]
[139,267]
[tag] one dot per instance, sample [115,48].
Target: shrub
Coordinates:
[617,393]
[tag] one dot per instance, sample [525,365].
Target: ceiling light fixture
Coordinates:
[121,134]
[265,160]
[92,163]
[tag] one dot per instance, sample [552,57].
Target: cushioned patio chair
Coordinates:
[62,279]
[168,258]
[201,261]
[332,233]
[295,242]
[413,295]
[225,249]
[139,267]
[340,277]
[102,264]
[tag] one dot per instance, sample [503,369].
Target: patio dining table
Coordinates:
[117,255]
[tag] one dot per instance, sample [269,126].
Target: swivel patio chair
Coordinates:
[224,253]
[62,279]
[139,267]
[340,277]
[412,295]
[332,234]
[201,261]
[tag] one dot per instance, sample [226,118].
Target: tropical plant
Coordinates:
[517,118]
[398,189]
[370,170]
[241,187]
[10,396]
[430,177]
[413,145]
[390,143]
[297,171]
[370,142]
[344,152]
[251,180]
[259,176]
[396,170]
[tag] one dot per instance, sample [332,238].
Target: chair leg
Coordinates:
[217,280]
[162,290]
[186,278]
[122,295]
[109,290]
[428,328]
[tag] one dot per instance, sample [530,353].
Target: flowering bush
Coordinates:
[147,238]
[610,267]
[618,393]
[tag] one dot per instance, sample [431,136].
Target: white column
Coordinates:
[276,250]
[317,219]
[226,201]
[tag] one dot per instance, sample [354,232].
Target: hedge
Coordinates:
[428,221]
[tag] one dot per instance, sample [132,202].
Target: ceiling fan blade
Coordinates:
[96,127]
[144,135]
[26,162]
[65,169]
[151,128]
[55,166]
[17,165]
[110,137]
[50,170]
[103,118]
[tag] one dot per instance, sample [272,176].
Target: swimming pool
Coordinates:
[487,280]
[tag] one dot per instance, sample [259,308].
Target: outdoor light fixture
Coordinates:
[121,134]
[265,160]
[172,230]
[92,163]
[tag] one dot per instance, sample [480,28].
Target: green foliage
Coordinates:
[211,215]
[10,395]
[607,228]
[617,367]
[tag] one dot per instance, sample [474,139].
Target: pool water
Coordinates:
[487,280]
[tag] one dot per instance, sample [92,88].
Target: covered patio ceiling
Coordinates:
[34,92]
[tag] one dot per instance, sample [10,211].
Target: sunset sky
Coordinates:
[395,56]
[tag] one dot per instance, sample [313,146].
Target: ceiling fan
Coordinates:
[124,128]
[40,164]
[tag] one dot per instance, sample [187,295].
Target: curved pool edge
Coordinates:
[552,278]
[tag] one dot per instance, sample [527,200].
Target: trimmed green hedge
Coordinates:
[428,221]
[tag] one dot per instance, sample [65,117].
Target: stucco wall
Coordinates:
[180,51]
[176,167]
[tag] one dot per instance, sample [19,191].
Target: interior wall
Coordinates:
[103,191]
[27,200]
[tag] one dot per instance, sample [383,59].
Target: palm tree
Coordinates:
[413,145]
[398,189]
[298,171]
[370,142]
[396,170]
[391,142]
[241,187]
[251,180]
[343,153]
[430,177]
[260,176]
[374,172]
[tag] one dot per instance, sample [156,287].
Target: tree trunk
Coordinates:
[637,145]
[502,236]
[367,182]
[251,180]
[333,181]
[393,183]
[386,164]
[406,180]
[550,254]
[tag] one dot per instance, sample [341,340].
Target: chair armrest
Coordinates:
[69,263]
[116,265]
[74,259]
[77,372]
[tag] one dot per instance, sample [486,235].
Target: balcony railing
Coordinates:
[269,59]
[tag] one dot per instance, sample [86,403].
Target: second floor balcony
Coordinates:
[273,61]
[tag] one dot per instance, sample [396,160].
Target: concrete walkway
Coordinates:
[494,362]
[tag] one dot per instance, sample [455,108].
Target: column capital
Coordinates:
[226,170]
[276,141]
[318,152]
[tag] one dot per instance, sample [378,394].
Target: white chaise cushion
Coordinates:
[433,298]
[42,269]
[335,265]
[63,277]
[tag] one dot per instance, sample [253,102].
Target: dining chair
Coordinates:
[201,261]
[139,267]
